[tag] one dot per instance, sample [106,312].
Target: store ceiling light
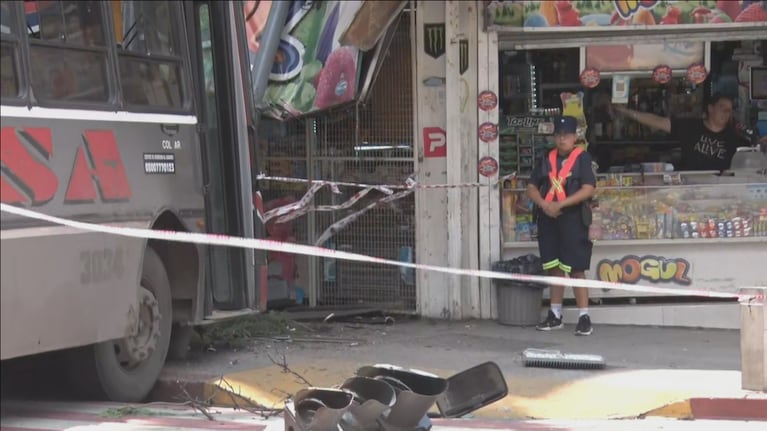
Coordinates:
[382,147]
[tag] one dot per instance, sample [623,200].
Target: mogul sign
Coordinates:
[597,14]
[632,269]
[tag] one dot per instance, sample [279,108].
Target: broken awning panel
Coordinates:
[318,61]
[649,15]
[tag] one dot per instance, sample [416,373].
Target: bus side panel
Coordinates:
[64,288]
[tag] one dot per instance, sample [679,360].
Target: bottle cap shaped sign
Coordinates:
[590,77]
[662,74]
[487,100]
[487,166]
[488,132]
[697,73]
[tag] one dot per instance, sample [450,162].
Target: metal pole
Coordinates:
[315,276]
[270,41]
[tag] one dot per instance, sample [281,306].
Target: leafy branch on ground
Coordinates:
[238,332]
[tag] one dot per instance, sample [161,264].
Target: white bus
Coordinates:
[123,113]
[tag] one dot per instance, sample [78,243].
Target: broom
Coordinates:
[556,359]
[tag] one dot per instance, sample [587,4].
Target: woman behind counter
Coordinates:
[707,144]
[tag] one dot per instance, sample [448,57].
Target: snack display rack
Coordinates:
[699,217]
[523,143]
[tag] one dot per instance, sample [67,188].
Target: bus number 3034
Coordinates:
[100,265]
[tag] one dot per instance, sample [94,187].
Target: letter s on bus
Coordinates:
[30,181]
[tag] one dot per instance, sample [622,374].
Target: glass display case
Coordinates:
[650,229]
[696,206]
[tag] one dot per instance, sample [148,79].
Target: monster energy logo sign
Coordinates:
[434,39]
[463,56]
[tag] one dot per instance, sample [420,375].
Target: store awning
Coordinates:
[520,40]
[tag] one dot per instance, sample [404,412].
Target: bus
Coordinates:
[128,114]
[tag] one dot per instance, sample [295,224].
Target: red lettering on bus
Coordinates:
[98,165]
[29,178]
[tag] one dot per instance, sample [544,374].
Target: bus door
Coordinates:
[230,270]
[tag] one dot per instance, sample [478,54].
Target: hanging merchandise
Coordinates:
[487,100]
[662,74]
[590,77]
[488,132]
[697,73]
[488,166]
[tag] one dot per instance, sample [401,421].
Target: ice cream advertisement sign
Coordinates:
[312,71]
[597,14]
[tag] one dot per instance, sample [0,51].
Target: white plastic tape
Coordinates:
[262,244]
[410,183]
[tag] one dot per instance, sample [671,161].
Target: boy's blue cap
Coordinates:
[566,124]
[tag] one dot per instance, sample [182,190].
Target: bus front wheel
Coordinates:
[126,370]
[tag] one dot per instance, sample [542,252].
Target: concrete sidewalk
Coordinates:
[650,371]
[84,416]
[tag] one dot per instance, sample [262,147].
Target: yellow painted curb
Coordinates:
[678,410]
[596,395]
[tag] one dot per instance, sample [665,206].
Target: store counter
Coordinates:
[679,229]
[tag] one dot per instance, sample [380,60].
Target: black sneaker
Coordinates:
[584,325]
[551,322]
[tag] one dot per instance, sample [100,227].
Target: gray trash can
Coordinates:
[519,303]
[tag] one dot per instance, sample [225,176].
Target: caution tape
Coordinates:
[409,184]
[262,244]
[341,224]
[301,207]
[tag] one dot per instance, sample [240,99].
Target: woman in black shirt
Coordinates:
[707,144]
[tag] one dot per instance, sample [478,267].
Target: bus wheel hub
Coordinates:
[135,349]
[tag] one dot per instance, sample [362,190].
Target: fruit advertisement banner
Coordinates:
[595,14]
[311,70]
[622,58]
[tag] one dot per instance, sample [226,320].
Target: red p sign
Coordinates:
[434,142]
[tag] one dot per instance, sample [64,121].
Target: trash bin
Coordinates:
[519,302]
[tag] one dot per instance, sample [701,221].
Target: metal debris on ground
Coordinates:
[388,397]
[556,359]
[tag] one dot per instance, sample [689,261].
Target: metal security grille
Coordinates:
[369,143]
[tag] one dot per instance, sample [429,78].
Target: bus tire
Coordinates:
[102,370]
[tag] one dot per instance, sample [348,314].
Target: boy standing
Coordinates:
[560,187]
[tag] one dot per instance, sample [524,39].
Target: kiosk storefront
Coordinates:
[653,223]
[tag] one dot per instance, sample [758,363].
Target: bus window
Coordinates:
[9,51]
[8,68]
[67,51]
[149,56]
[7,19]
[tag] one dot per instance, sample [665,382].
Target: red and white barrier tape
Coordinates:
[409,184]
[296,209]
[261,244]
[341,224]
[301,207]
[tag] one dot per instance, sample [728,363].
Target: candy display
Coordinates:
[521,145]
[627,208]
